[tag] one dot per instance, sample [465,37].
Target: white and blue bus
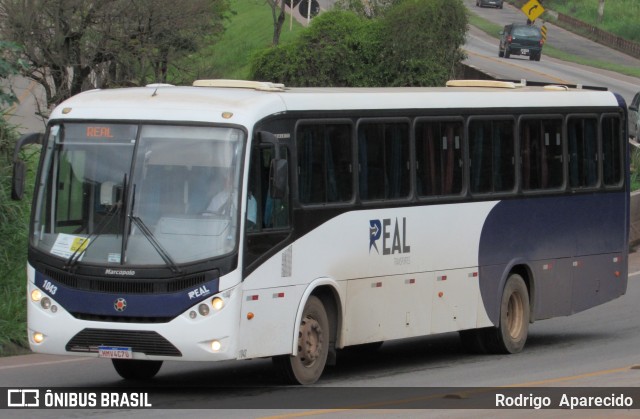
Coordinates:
[237,220]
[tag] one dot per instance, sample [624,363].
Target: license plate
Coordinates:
[115,352]
[524,51]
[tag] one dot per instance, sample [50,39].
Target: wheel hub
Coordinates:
[310,341]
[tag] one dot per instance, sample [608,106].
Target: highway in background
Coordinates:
[482,51]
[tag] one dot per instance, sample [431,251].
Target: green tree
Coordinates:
[366,8]
[331,52]
[423,42]
[278,15]
[413,43]
[13,216]
[73,45]
[10,65]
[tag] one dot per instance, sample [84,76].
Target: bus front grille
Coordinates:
[131,286]
[147,342]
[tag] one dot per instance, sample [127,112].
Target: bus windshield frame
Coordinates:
[138,195]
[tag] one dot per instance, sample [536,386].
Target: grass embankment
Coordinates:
[248,30]
[620,16]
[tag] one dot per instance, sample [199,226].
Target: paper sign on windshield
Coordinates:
[67,244]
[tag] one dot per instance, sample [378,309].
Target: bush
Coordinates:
[331,52]
[422,42]
[414,43]
[13,220]
[14,217]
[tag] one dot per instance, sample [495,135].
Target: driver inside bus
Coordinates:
[222,202]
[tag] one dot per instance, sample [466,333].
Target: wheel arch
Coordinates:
[325,289]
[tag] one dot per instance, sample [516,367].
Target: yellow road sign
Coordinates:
[543,31]
[532,9]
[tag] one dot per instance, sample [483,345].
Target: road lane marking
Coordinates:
[571,377]
[519,67]
[37,364]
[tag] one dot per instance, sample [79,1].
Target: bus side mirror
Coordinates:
[17,186]
[278,178]
[19,167]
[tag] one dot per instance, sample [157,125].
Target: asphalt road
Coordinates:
[482,51]
[595,348]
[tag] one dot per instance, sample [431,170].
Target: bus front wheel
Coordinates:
[313,346]
[136,369]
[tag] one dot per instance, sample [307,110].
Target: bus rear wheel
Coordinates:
[313,346]
[136,369]
[510,336]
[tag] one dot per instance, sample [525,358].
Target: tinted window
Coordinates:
[611,151]
[383,153]
[541,153]
[491,153]
[264,211]
[583,151]
[526,31]
[439,157]
[324,163]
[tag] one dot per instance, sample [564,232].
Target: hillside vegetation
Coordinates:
[621,17]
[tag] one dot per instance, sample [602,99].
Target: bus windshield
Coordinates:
[138,195]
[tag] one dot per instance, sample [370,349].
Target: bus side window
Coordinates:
[611,151]
[491,151]
[439,158]
[541,153]
[266,212]
[383,154]
[583,152]
[324,163]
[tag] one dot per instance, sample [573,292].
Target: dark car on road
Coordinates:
[521,39]
[493,3]
[634,117]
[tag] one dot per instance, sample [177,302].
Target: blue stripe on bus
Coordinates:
[558,230]
[166,305]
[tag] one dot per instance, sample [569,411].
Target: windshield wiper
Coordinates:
[154,242]
[166,257]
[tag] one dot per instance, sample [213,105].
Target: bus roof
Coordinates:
[246,104]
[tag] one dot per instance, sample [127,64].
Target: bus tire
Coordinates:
[511,334]
[313,346]
[136,369]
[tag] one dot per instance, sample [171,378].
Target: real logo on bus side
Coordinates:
[394,239]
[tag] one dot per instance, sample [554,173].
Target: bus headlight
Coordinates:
[38,337]
[36,295]
[215,346]
[217,303]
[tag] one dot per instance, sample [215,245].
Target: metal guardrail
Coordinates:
[603,37]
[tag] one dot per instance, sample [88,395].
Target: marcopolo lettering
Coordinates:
[119,272]
[393,234]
